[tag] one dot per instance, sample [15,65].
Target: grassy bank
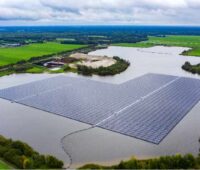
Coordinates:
[192,42]
[34,69]
[4,165]
[165,162]
[24,53]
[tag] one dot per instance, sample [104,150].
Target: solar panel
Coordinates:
[33,88]
[154,117]
[124,108]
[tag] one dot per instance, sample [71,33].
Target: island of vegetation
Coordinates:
[192,42]
[19,155]
[119,65]
[165,162]
[195,69]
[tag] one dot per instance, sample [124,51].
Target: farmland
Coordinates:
[14,55]
[181,41]
[35,65]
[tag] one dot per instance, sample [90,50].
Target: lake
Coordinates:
[43,131]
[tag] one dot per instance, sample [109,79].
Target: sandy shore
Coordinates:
[93,60]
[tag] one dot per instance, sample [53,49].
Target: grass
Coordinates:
[4,165]
[5,73]
[180,41]
[14,55]
[35,70]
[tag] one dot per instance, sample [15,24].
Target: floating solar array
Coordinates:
[152,118]
[147,107]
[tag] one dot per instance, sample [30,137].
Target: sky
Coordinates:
[99,12]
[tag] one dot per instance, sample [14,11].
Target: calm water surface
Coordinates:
[43,130]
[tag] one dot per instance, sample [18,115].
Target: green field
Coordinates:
[14,55]
[3,165]
[35,70]
[180,41]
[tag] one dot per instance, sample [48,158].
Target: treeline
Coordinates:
[22,156]
[120,66]
[91,34]
[195,69]
[88,35]
[165,162]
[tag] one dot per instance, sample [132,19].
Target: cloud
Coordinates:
[67,12]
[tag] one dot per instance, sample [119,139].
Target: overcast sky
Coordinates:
[97,12]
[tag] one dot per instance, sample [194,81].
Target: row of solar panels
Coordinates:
[153,118]
[92,102]
[81,99]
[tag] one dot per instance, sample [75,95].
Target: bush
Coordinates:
[194,69]
[53,163]
[27,164]
[84,70]
[3,150]
[66,68]
[21,68]
[3,141]
[38,160]
[23,148]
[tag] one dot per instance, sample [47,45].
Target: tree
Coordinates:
[52,162]
[24,157]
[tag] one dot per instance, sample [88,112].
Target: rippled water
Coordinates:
[43,131]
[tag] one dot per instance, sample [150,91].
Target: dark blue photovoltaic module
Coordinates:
[147,107]
[152,118]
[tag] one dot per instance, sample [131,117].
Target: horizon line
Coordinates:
[100,25]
